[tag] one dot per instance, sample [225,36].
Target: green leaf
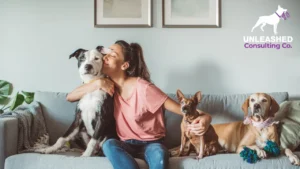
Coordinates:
[28,94]
[5,90]
[18,100]
[28,100]
[5,87]
[3,98]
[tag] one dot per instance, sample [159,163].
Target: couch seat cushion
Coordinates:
[229,161]
[72,161]
[62,161]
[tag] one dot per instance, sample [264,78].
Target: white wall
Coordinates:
[37,37]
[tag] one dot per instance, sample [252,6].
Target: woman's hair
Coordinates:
[133,54]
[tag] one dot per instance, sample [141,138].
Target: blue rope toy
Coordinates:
[271,148]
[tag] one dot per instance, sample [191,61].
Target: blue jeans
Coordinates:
[122,153]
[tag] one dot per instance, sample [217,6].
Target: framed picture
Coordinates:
[123,13]
[191,13]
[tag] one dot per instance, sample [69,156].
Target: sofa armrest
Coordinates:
[8,138]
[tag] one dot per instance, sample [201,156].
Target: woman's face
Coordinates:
[114,61]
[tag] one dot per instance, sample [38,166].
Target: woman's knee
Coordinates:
[158,156]
[110,144]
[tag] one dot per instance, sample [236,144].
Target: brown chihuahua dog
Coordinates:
[204,145]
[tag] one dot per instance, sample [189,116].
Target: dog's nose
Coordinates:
[256,106]
[88,67]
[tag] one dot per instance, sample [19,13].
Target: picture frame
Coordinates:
[123,13]
[191,13]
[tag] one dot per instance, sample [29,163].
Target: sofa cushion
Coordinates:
[222,108]
[232,161]
[61,161]
[67,161]
[58,112]
[289,115]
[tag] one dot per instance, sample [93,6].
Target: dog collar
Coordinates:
[260,125]
[284,15]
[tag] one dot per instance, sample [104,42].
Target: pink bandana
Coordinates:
[268,122]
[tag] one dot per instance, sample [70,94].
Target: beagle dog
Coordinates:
[255,130]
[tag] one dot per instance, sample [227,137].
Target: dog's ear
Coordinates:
[274,107]
[99,48]
[245,106]
[180,95]
[197,97]
[103,50]
[77,53]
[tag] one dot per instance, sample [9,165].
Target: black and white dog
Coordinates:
[94,121]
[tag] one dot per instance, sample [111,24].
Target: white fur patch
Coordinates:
[89,105]
[261,141]
[73,134]
[101,143]
[90,148]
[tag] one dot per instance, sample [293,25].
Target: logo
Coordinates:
[269,41]
[273,19]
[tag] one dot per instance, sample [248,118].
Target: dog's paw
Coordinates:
[199,157]
[261,153]
[85,154]
[294,160]
[173,153]
[39,151]
[44,151]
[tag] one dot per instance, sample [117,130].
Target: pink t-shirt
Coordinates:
[140,116]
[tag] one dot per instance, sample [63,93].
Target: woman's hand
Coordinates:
[96,84]
[200,125]
[106,85]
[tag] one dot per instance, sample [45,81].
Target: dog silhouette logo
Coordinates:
[272,19]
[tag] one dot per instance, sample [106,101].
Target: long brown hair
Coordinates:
[133,54]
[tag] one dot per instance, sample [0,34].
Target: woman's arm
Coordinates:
[103,84]
[197,127]
[172,106]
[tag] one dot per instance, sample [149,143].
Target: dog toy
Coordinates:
[272,148]
[249,155]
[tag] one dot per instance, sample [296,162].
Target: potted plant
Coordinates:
[8,101]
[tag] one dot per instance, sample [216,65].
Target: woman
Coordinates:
[138,109]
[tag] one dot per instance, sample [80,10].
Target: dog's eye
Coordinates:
[96,58]
[264,100]
[252,100]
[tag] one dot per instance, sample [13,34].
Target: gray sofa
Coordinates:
[59,114]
